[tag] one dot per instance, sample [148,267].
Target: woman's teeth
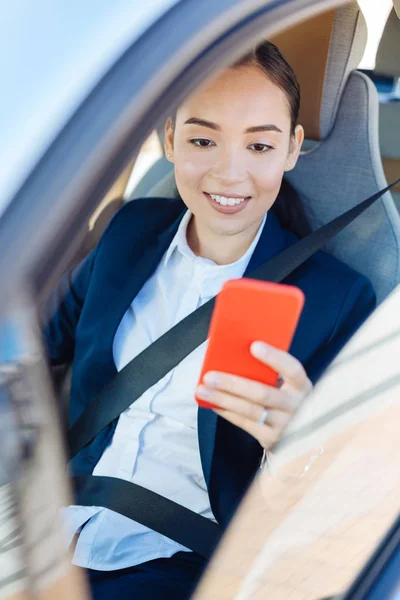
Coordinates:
[227,201]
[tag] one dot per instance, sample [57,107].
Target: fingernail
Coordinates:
[212,379]
[260,349]
[203,392]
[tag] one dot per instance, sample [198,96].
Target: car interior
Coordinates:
[351,117]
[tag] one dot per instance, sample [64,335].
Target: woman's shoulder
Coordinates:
[142,217]
[338,293]
[148,210]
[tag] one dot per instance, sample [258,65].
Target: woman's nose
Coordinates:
[229,169]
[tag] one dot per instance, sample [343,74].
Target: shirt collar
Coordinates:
[179,243]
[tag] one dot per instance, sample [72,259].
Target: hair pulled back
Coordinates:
[271,61]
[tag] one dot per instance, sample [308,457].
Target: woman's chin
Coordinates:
[222,227]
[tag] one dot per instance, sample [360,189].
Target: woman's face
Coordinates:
[230,146]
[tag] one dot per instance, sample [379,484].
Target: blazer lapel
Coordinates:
[271,242]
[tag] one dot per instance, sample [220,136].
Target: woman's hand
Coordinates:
[261,410]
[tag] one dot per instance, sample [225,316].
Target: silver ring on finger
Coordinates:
[263,419]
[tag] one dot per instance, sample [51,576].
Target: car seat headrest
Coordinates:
[323,51]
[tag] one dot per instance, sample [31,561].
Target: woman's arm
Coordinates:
[60,314]
[358,304]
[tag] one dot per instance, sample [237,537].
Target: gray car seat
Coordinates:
[340,113]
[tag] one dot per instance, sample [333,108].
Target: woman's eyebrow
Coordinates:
[202,123]
[258,128]
[211,125]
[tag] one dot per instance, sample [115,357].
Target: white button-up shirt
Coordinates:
[155,443]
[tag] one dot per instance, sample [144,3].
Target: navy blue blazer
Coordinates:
[100,290]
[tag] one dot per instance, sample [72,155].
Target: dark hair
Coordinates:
[270,60]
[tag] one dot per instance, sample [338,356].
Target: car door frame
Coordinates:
[379,578]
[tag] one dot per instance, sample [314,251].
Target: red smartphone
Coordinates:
[248,310]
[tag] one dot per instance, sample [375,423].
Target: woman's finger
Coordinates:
[290,369]
[253,391]
[242,407]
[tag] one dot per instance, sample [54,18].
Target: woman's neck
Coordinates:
[221,249]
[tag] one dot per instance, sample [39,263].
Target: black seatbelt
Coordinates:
[159,359]
[150,509]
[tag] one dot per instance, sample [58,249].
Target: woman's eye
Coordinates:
[261,148]
[201,142]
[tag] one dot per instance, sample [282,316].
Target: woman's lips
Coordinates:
[227,210]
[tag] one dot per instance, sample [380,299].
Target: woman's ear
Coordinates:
[169,140]
[296,143]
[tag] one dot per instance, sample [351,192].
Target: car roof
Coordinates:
[52,54]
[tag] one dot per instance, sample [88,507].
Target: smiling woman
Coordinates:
[231,144]
[159,260]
